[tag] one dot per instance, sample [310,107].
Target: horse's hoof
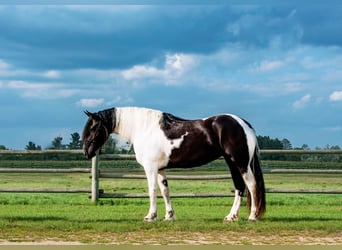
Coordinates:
[252,219]
[147,220]
[229,219]
[173,218]
[152,218]
[170,216]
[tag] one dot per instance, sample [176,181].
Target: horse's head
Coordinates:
[95,134]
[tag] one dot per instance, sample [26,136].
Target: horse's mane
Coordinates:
[168,120]
[133,120]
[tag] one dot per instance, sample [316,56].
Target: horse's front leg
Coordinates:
[152,175]
[164,189]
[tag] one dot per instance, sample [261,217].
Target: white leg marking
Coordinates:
[151,175]
[234,211]
[251,185]
[164,189]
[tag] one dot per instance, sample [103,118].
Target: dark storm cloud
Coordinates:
[321,24]
[72,38]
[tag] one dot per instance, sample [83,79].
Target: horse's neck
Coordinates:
[135,121]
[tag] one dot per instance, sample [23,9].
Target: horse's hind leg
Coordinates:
[164,189]
[251,185]
[239,190]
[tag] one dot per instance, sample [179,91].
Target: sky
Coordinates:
[279,66]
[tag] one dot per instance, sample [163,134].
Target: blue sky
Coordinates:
[278,66]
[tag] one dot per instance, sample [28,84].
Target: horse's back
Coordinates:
[207,139]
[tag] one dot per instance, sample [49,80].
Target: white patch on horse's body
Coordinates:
[250,136]
[251,184]
[234,211]
[141,127]
[152,148]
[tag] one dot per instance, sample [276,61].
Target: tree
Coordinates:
[110,146]
[57,143]
[32,146]
[286,144]
[76,142]
[2,147]
[265,142]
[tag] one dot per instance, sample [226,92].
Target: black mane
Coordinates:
[108,117]
[169,120]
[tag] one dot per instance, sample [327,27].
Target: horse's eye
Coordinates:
[93,127]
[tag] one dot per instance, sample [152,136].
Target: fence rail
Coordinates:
[117,156]
[45,170]
[44,190]
[95,193]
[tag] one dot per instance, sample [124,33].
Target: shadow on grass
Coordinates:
[301,219]
[65,219]
[103,220]
[282,219]
[32,218]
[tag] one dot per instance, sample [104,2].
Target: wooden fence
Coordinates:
[95,193]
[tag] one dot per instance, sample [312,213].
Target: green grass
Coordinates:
[71,218]
[289,219]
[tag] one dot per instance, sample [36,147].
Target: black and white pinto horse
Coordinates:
[162,141]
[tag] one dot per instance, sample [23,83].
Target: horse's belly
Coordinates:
[187,158]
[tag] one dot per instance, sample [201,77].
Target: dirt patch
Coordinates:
[185,238]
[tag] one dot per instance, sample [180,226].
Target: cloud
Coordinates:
[26,86]
[302,102]
[291,87]
[319,28]
[268,65]
[4,68]
[90,102]
[3,65]
[73,37]
[336,96]
[119,99]
[141,71]
[52,74]
[40,90]
[334,129]
[175,66]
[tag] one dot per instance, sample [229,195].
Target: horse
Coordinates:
[162,141]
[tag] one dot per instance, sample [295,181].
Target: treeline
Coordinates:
[265,142]
[112,146]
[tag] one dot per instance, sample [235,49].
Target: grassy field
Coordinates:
[290,218]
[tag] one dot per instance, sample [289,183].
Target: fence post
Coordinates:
[95,178]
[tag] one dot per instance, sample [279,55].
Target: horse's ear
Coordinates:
[88,113]
[92,115]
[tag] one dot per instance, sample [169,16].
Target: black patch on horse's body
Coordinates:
[205,141]
[169,122]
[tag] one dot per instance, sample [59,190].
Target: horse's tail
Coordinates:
[260,185]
